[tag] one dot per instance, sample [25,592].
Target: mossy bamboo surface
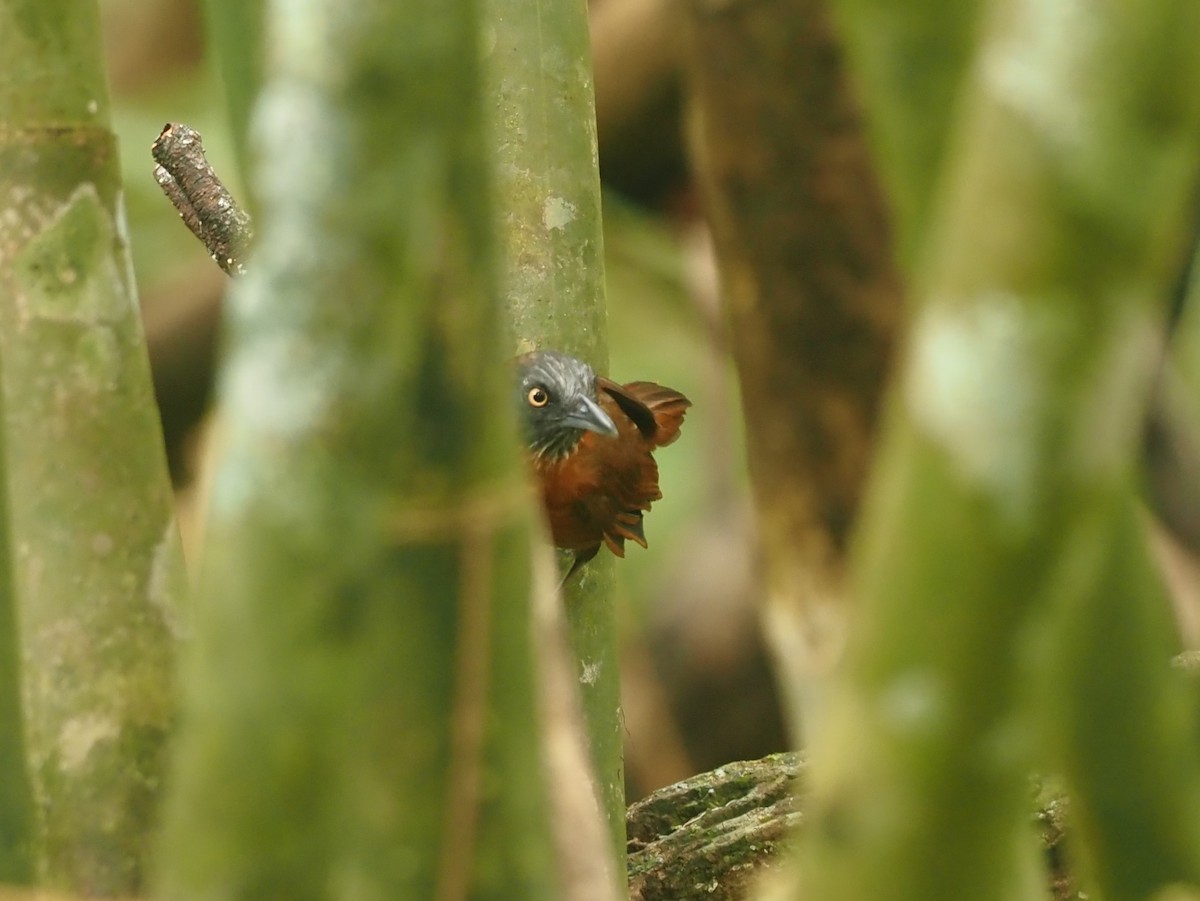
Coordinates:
[97,567]
[361,708]
[17,829]
[538,66]
[997,537]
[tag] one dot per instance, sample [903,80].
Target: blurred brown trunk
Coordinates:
[801,233]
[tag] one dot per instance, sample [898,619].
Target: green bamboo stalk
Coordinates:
[1099,765]
[538,63]
[1011,455]
[235,28]
[1135,812]
[98,568]
[1098,762]
[1186,350]
[18,834]
[361,708]
[911,58]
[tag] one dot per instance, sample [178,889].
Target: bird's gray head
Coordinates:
[556,397]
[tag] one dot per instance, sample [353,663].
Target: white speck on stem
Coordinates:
[80,735]
[914,705]
[590,673]
[270,384]
[1035,68]
[557,212]
[975,385]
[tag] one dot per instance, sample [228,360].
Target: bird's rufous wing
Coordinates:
[657,411]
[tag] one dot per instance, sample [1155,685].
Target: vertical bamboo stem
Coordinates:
[1011,453]
[98,566]
[538,63]
[361,707]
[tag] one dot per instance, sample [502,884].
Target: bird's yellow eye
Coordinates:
[538,397]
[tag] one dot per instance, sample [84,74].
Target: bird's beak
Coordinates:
[587,414]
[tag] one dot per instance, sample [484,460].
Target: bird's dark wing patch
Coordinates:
[666,406]
[640,414]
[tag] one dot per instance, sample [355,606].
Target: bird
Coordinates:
[590,442]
